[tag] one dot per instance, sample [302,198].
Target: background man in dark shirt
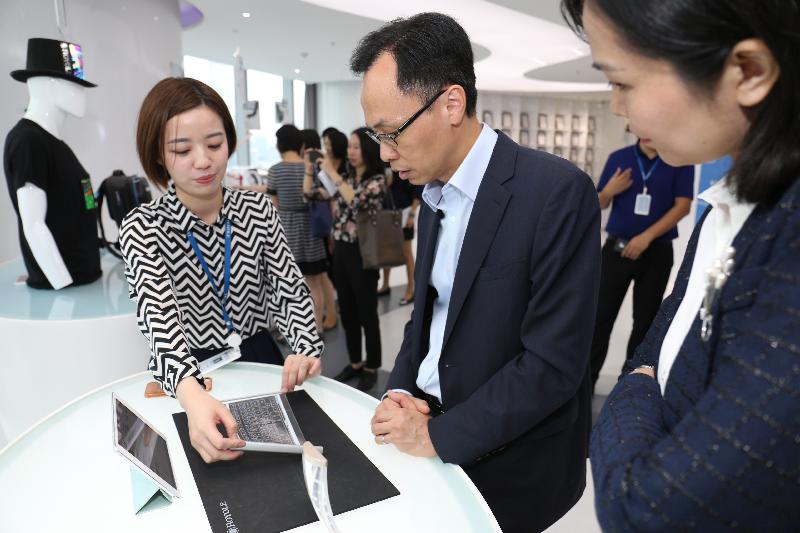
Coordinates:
[648,198]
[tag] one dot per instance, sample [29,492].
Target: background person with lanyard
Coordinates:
[649,198]
[208,265]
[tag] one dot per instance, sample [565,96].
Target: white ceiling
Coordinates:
[520,46]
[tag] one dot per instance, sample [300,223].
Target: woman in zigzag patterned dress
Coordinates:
[207,265]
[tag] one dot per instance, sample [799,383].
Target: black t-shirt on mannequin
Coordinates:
[32,155]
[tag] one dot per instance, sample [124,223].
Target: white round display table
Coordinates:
[58,345]
[64,475]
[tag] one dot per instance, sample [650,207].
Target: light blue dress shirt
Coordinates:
[455,199]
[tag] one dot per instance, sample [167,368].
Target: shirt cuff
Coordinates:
[191,370]
[385,394]
[309,350]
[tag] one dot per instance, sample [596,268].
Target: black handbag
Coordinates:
[380,236]
[321,218]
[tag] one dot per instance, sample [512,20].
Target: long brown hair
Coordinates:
[170,97]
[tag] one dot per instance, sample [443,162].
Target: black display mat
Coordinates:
[266,491]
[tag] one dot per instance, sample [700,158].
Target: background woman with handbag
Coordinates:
[285,187]
[362,190]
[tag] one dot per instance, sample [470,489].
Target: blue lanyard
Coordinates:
[645,176]
[223,296]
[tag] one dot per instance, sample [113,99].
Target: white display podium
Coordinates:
[58,345]
[64,474]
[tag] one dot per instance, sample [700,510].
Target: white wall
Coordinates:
[127,47]
[339,105]
[609,132]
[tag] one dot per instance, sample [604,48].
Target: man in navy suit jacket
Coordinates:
[492,374]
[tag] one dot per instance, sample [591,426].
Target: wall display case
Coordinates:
[573,128]
[506,120]
[541,138]
[541,122]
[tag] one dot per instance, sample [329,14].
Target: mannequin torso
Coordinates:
[51,100]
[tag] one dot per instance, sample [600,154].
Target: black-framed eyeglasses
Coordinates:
[391,138]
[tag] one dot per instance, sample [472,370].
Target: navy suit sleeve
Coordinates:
[556,333]
[404,375]
[648,351]
[731,461]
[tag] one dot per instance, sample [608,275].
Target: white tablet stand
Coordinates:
[147,495]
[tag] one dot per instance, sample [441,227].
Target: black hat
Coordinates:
[59,59]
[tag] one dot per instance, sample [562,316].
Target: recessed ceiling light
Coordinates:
[246,14]
[552,43]
[297,71]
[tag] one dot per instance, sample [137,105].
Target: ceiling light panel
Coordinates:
[518,42]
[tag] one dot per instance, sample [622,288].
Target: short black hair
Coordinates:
[431,50]
[289,139]
[696,37]
[338,144]
[327,131]
[370,153]
[310,139]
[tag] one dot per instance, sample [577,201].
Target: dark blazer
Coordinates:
[720,450]
[513,369]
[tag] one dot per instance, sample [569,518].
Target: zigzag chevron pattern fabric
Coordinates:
[177,309]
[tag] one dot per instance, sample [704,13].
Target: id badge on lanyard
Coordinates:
[221,359]
[644,200]
[234,340]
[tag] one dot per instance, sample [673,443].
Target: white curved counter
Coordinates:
[58,345]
